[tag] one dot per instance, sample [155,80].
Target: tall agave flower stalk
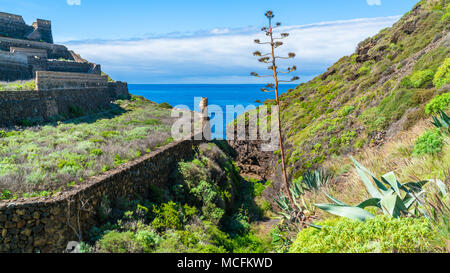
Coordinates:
[271,58]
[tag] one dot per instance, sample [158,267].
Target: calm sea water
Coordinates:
[217,94]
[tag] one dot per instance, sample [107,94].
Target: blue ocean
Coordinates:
[217,94]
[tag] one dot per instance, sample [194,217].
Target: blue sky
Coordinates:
[205,41]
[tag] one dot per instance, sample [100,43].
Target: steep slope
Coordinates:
[367,98]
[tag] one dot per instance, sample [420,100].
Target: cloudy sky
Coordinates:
[206,41]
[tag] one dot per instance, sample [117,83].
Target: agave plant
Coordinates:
[311,181]
[442,121]
[314,180]
[291,211]
[393,198]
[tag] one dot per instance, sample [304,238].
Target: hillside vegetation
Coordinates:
[376,105]
[393,80]
[208,208]
[43,159]
[386,105]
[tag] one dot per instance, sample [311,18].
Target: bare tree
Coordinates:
[84,207]
[271,58]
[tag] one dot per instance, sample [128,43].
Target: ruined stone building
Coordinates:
[63,78]
[26,49]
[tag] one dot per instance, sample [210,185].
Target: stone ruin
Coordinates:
[25,50]
[63,78]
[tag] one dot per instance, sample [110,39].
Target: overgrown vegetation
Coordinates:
[381,234]
[44,159]
[362,96]
[378,91]
[208,209]
[18,86]
[377,104]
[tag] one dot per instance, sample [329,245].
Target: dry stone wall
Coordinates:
[53,51]
[48,80]
[17,106]
[48,224]
[13,66]
[13,26]
[31,52]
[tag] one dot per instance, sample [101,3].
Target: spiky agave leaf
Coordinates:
[391,179]
[354,213]
[393,205]
[336,201]
[372,202]
[442,120]
[369,186]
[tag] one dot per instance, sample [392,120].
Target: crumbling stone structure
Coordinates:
[14,26]
[63,78]
[31,49]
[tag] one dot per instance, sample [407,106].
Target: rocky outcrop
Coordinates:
[251,160]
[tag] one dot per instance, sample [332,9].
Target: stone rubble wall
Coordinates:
[29,52]
[46,225]
[17,106]
[13,67]
[23,63]
[49,80]
[53,51]
[14,26]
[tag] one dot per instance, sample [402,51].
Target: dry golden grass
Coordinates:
[395,155]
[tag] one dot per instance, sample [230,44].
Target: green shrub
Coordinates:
[118,242]
[165,105]
[418,79]
[441,102]
[446,17]
[96,152]
[167,217]
[366,68]
[147,239]
[442,76]
[109,78]
[431,143]
[346,110]
[5,195]
[75,111]
[381,234]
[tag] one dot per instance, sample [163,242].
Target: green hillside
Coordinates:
[380,90]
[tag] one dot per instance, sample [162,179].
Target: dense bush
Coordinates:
[165,105]
[116,242]
[442,76]
[195,215]
[381,234]
[418,79]
[441,102]
[167,217]
[430,143]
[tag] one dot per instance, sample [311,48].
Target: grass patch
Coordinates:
[18,86]
[50,157]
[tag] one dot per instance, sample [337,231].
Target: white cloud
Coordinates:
[374,2]
[220,31]
[226,56]
[74,2]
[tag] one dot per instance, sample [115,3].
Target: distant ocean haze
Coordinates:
[217,94]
